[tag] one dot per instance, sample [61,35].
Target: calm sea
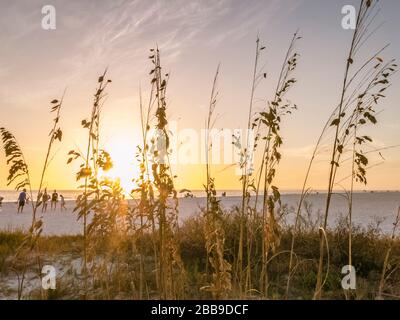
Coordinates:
[12,196]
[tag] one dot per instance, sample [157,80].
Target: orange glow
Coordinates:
[124,167]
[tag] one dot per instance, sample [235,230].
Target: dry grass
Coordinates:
[123,281]
[139,251]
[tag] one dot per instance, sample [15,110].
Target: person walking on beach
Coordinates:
[54,200]
[1,202]
[39,197]
[22,198]
[45,199]
[62,204]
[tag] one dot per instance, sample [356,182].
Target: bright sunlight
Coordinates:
[124,167]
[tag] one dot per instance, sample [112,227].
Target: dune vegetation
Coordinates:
[137,250]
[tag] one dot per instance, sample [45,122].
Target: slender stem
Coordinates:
[333,164]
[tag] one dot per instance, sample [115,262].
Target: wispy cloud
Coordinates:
[92,34]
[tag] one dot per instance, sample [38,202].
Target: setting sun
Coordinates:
[124,168]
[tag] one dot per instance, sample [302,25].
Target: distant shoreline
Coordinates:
[11,196]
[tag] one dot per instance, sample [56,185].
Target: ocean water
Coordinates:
[368,207]
[12,195]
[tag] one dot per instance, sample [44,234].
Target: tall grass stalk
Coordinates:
[270,120]
[144,189]
[356,108]
[221,283]
[20,175]
[246,168]
[170,267]
[89,168]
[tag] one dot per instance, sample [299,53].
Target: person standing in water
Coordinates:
[45,199]
[54,200]
[21,200]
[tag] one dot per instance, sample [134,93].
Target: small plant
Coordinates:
[386,263]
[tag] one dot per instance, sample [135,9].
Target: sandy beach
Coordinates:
[368,208]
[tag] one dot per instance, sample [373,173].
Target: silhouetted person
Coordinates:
[1,202]
[54,200]
[39,197]
[21,200]
[45,199]
[62,203]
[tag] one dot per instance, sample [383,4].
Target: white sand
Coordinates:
[55,222]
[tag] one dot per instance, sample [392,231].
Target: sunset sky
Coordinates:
[36,66]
